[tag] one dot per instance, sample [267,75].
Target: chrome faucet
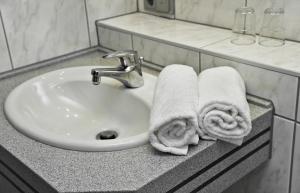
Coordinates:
[129,72]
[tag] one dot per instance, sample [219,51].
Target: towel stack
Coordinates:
[223,111]
[173,122]
[184,108]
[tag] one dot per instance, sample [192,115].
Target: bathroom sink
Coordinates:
[64,109]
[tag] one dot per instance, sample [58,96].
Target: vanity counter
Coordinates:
[209,167]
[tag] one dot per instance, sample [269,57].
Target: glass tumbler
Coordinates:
[272,32]
[244,27]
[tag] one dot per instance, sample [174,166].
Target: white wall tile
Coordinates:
[5,63]
[39,30]
[114,40]
[141,5]
[164,54]
[292,19]
[296,163]
[221,13]
[280,88]
[212,12]
[141,8]
[174,31]
[272,177]
[259,6]
[101,9]
[298,111]
[283,59]
[292,15]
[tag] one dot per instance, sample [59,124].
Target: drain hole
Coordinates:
[106,135]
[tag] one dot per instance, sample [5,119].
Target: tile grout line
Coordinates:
[98,36]
[6,40]
[112,17]
[200,62]
[137,6]
[132,47]
[216,26]
[43,63]
[174,9]
[294,140]
[280,116]
[87,22]
[149,37]
[213,43]
[199,23]
[115,16]
[248,63]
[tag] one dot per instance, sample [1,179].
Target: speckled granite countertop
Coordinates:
[49,169]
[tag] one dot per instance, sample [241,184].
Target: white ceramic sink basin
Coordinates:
[64,109]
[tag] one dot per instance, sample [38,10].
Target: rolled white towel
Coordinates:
[173,121]
[223,110]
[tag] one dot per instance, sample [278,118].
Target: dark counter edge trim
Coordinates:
[12,183]
[231,166]
[191,178]
[41,182]
[14,179]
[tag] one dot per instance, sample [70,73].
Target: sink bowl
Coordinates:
[64,109]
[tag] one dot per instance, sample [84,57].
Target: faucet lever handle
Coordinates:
[126,57]
[120,54]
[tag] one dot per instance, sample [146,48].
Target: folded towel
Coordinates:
[223,111]
[173,121]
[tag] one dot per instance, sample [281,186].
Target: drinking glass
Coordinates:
[244,27]
[272,32]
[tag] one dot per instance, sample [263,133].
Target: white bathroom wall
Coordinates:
[101,9]
[40,30]
[296,169]
[5,63]
[292,15]
[273,176]
[213,12]
[221,12]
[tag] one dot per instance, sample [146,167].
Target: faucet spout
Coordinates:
[129,72]
[96,79]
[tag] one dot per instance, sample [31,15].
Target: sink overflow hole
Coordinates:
[106,135]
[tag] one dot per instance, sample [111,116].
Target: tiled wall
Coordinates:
[212,12]
[163,54]
[274,176]
[152,51]
[221,12]
[296,168]
[5,63]
[101,9]
[282,89]
[39,30]
[278,87]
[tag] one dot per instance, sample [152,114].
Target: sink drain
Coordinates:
[106,135]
